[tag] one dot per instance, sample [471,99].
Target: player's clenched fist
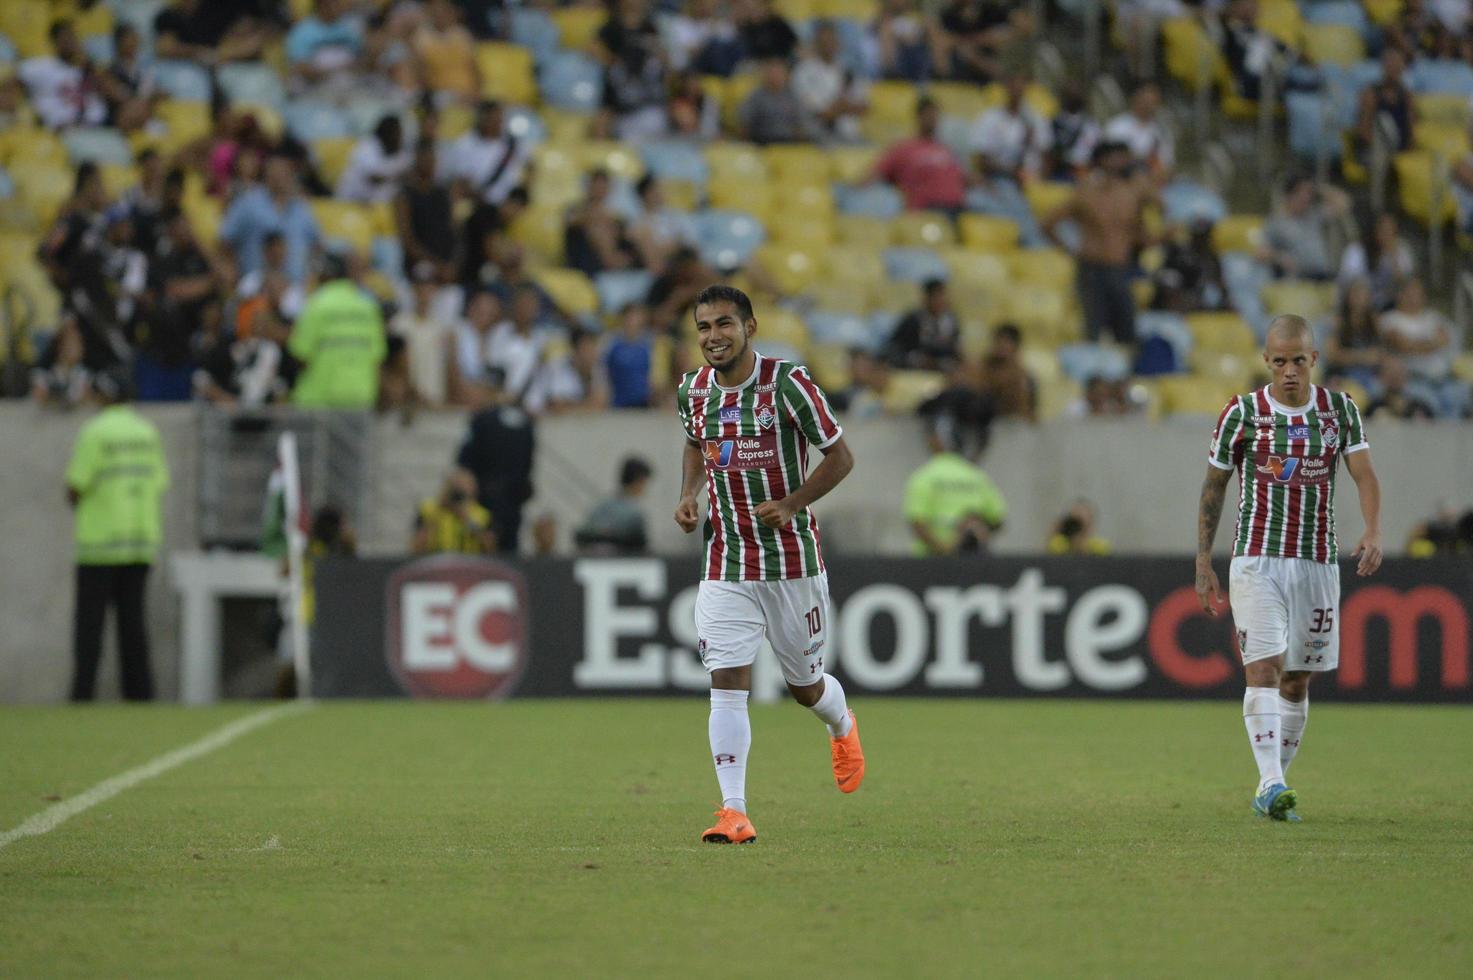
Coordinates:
[1209,590]
[775,513]
[687,514]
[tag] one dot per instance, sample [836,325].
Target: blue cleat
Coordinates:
[1293,817]
[1276,803]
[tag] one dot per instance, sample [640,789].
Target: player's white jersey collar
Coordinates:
[1273,403]
[756,370]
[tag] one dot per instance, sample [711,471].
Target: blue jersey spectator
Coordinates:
[629,357]
[277,207]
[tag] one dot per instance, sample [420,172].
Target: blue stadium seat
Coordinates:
[874,200]
[388,256]
[1169,327]
[182,80]
[252,82]
[1449,77]
[1186,201]
[535,30]
[1345,82]
[97,144]
[728,238]
[99,48]
[364,113]
[1348,13]
[675,160]
[309,121]
[526,125]
[7,186]
[570,80]
[786,352]
[1084,361]
[841,329]
[1314,128]
[617,290]
[914,264]
[881,328]
[8,54]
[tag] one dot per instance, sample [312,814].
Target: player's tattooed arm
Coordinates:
[1209,513]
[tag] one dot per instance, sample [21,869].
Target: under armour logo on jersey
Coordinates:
[726,760]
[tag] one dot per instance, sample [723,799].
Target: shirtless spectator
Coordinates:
[1107,207]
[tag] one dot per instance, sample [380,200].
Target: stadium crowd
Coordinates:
[532,196]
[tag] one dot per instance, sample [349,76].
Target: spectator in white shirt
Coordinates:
[1381,258]
[426,338]
[514,352]
[660,230]
[575,382]
[64,88]
[487,163]
[1009,142]
[377,165]
[471,383]
[687,34]
[1142,131]
[1421,336]
[828,90]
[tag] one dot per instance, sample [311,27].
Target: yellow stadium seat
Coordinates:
[1423,187]
[619,159]
[796,11]
[797,162]
[803,200]
[1193,395]
[569,289]
[854,265]
[1235,371]
[863,11]
[893,101]
[733,94]
[1449,140]
[332,155]
[988,233]
[812,231]
[908,390]
[929,229]
[578,27]
[1191,57]
[1238,233]
[118,177]
[1045,197]
[345,220]
[830,366]
[564,126]
[1042,363]
[1463,367]
[506,72]
[977,271]
[539,230]
[735,161]
[753,196]
[33,145]
[682,195]
[454,120]
[780,326]
[1055,397]
[1037,97]
[1311,300]
[1042,313]
[1281,21]
[1444,109]
[27,23]
[1050,267]
[839,296]
[204,214]
[1333,44]
[1382,12]
[961,99]
[862,230]
[1223,333]
[43,186]
[883,132]
[184,123]
[852,164]
[793,268]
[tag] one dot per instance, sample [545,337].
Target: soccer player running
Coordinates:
[1284,585]
[749,423]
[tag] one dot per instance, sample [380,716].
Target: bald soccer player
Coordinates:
[1285,441]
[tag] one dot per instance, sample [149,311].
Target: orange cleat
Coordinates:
[732,827]
[848,758]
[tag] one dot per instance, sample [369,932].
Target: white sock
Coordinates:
[832,707]
[1293,716]
[731,739]
[1261,718]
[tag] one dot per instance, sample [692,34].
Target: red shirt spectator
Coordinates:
[924,169]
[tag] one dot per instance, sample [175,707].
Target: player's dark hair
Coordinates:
[933,286]
[633,470]
[727,294]
[1105,149]
[1010,332]
[57,27]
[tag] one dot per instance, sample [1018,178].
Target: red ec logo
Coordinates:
[457,627]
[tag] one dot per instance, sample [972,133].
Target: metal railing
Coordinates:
[238,454]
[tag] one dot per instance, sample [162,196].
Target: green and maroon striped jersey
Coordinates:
[1286,459]
[755,439]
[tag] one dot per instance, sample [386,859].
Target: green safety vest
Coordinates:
[340,339]
[119,473]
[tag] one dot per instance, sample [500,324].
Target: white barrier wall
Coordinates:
[1143,478]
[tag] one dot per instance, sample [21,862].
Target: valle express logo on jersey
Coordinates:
[1297,470]
[744,453]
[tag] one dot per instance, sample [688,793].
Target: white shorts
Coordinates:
[732,617]
[1288,606]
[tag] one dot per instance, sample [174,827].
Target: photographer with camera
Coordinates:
[1074,532]
[452,522]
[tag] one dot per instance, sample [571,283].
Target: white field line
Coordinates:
[57,814]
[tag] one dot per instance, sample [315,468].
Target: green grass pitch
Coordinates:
[562,839]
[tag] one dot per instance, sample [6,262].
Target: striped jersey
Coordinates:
[1286,459]
[755,440]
